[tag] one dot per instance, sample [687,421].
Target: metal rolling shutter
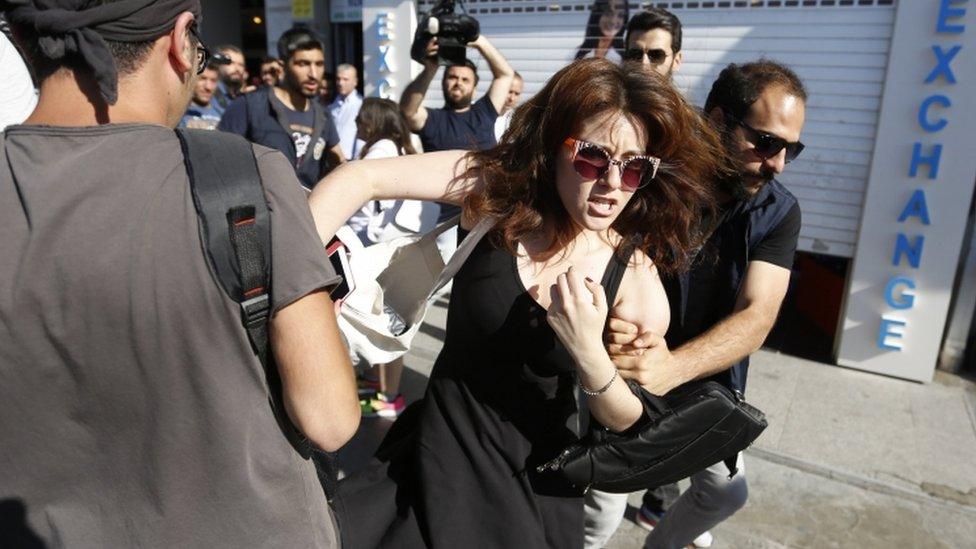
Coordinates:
[838,47]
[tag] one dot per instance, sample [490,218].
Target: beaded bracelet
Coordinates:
[601,390]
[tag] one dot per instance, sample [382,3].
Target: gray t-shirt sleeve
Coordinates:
[299,265]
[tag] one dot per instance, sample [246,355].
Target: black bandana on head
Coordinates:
[80,28]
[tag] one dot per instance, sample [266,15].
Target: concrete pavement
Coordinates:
[849,459]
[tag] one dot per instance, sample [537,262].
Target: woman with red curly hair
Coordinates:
[598,184]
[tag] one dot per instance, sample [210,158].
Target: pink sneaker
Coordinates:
[383,405]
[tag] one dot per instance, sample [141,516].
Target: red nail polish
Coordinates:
[589,279]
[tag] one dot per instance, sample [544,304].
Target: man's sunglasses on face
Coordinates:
[767,145]
[656,55]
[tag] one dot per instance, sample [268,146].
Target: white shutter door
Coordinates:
[838,47]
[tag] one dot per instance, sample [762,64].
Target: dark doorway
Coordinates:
[347,47]
[808,319]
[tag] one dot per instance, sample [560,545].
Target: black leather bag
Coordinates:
[689,429]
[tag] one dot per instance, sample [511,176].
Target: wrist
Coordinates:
[594,361]
[679,370]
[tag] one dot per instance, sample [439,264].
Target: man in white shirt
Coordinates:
[505,118]
[345,107]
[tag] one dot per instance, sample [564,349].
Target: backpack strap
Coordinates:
[235,228]
[235,224]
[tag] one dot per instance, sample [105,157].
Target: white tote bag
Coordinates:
[394,283]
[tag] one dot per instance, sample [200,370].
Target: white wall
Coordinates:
[839,52]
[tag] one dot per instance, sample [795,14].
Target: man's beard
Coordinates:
[734,187]
[462,103]
[233,83]
[744,183]
[297,87]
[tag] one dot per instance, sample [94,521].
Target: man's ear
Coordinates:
[677,62]
[181,45]
[717,116]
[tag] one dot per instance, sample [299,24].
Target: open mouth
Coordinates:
[602,205]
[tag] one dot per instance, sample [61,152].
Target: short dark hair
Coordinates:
[269,59]
[467,63]
[656,18]
[229,47]
[128,56]
[298,38]
[739,86]
[212,65]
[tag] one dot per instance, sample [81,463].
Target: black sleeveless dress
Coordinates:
[460,465]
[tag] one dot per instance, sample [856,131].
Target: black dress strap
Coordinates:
[580,422]
[615,271]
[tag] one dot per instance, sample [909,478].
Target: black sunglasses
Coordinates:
[768,145]
[203,54]
[656,55]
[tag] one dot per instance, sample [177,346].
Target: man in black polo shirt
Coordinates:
[725,306]
[286,117]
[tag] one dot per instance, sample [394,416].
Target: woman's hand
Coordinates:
[577,314]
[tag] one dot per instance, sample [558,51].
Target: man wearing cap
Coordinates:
[133,410]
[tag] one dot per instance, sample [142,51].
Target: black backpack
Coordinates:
[235,228]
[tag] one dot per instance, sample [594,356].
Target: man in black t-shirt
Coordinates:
[462,123]
[725,306]
[288,117]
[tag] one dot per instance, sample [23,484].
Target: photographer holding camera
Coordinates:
[462,123]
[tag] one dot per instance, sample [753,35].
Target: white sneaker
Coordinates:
[704,540]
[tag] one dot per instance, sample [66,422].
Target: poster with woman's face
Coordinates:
[605,28]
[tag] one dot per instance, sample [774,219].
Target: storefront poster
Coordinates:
[604,34]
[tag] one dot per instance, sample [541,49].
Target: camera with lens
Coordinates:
[453,32]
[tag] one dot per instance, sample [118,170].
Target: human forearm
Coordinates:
[496,61]
[338,196]
[617,408]
[413,94]
[726,343]
[433,176]
[318,384]
[502,73]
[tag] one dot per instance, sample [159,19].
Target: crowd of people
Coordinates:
[637,243]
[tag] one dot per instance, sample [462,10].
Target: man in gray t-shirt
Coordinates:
[133,411]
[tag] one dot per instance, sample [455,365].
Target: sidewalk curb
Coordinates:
[860,481]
